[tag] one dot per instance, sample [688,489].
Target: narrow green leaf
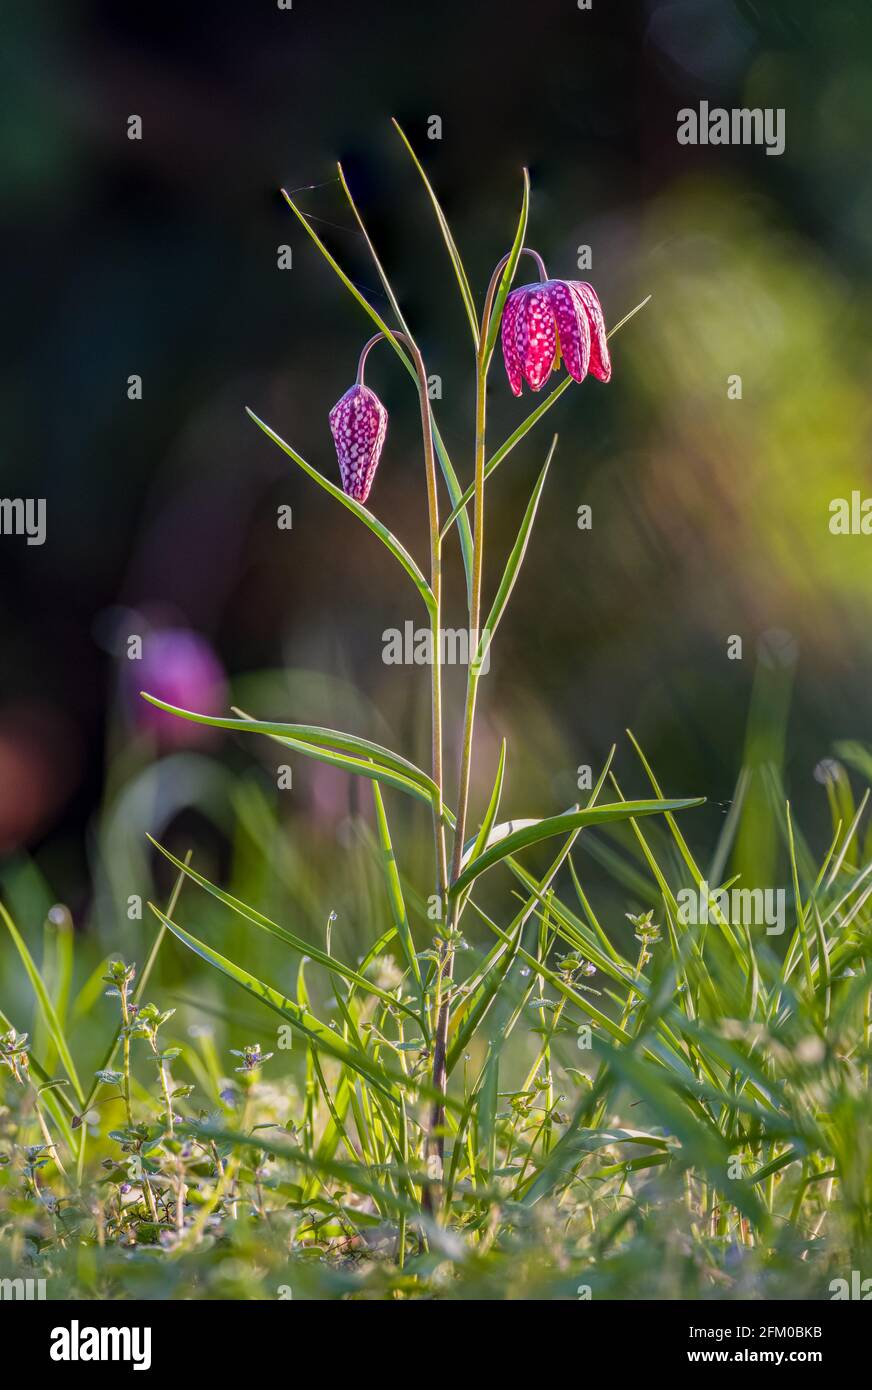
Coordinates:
[509,271]
[395,896]
[405,777]
[56,1032]
[298,1017]
[56,1100]
[383,1077]
[451,245]
[351,1175]
[471,1012]
[514,562]
[475,847]
[297,943]
[377,527]
[532,833]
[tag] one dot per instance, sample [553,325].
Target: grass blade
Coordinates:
[447,237]
[514,562]
[397,902]
[55,1031]
[509,272]
[296,943]
[532,833]
[316,1032]
[404,777]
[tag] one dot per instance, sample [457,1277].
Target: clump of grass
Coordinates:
[690,1120]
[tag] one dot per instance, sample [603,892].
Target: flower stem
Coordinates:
[436,1144]
[436,589]
[125,1016]
[435,622]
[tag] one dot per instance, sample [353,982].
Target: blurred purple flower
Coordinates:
[542,322]
[180,667]
[358,423]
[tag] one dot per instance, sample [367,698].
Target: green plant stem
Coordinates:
[436,1145]
[435,604]
[165,1088]
[149,1197]
[435,624]
[125,1065]
[436,1139]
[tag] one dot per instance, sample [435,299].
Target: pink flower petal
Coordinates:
[510,349]
[573,329]
[600,362]
[536,336]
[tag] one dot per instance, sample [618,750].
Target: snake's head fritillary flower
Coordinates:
[358,423]
[178,665]
[553,319]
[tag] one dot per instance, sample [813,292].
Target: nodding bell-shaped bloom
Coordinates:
[358,423]
[544,322]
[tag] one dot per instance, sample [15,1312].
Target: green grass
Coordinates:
[713,1140]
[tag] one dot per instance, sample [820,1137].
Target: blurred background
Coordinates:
[158,258]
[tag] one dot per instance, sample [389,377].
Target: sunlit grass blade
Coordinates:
[702,1146]
[484,988]
[305,1022]
[347,1174]
[558,982]
[56,1099]
[378,528]
[47,1008]
[395,896]
[384,1077]
[58,970]
[469,1014]
[296,943]
[578,1146]
[448,238]
[144,974]
[380,270]
[800,914]
[474,848]
[319,737]
[561,825]
[349,284]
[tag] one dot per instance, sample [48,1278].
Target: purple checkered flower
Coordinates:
[358,423]
[553,319]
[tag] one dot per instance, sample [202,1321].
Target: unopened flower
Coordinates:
[358,423]
[553,319]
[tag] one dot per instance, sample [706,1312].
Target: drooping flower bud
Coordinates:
[358,423]
[542,322]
